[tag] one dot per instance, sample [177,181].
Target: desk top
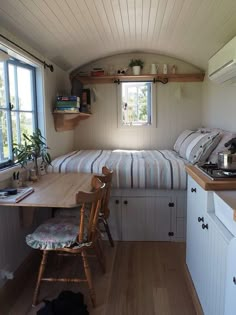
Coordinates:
[56,190]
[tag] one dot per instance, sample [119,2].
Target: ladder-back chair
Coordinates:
[73,236]
[105,212]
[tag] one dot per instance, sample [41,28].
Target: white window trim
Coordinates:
[153,109]
[6,173]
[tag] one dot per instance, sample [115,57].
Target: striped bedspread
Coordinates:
[152,169]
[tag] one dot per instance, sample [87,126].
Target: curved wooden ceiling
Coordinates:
[74,32]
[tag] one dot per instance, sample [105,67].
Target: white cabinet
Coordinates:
[142,218]
[114,219]
[207,251]
[146,219]
[230,299]
[217,247]
[196,238]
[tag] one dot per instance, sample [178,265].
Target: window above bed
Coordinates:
[135,103]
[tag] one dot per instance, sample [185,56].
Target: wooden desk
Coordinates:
[53,191]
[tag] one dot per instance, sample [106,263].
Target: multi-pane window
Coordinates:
[136,103]
[17,106]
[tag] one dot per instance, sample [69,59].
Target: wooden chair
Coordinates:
[72,236]
[105,212]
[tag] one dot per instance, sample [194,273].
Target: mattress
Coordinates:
[145,169]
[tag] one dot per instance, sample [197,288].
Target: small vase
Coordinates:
[136,70]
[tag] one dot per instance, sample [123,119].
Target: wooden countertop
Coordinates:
[206,183]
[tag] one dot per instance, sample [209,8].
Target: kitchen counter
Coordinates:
[206,183]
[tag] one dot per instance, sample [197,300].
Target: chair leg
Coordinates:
[88,277]
[100,256]
[40,275]
[105,223]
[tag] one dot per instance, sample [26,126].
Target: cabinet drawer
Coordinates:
[197,196]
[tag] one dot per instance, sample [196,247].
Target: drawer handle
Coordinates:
[117,202]
[125,202]
[200,219]
[193,190]
[205,226]
[234,280]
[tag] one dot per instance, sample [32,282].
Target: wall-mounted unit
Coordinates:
[222,66]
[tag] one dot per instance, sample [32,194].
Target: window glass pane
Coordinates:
[4,137]
[2,87]
[136,103]
[21,117]
[25,97]
[15,127]
[26,123]
[12,86]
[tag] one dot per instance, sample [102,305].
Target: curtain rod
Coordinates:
[42,61]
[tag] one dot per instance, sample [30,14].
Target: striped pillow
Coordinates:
[185,134]
[196,146]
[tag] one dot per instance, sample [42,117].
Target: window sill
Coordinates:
[6,173]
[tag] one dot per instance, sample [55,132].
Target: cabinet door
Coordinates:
[146,219]
[133,218]
[230,292]
[114,219]
[196,240]
[216,257]
[158,219]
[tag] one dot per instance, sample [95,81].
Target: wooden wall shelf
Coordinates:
[68,121]
[189,77]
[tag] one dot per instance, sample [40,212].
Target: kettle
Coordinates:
[227,159]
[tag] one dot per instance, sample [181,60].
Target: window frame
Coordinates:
[9,110]
[152,106]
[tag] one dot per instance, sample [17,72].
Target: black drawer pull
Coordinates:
[234,280]
[205,226]
[193,189]
[117,202]
[125,202]
[200,219]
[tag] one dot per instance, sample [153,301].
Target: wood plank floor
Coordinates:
[141,278]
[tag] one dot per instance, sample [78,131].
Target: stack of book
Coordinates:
[97,72]
[20,194]
[67,104]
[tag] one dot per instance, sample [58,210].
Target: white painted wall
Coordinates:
[56,83]
[219,105]
[174,112]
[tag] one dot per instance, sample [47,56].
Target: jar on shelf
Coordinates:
[173,69]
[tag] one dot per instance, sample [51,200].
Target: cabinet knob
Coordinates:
[205,226]
[125,202]
[117,202]
[234,280]
[193,190]
[200,219]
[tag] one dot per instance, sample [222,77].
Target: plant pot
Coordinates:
[136,70]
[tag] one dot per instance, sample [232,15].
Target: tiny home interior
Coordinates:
[158,193]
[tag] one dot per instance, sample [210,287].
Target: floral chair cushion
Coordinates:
[57,233]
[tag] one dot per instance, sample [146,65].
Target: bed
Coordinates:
[148,201]
[143,169]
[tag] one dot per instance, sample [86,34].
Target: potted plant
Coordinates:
[32,148]
[136,65]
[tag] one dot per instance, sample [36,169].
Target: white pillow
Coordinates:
[225,137]
[181,138]
[197,146]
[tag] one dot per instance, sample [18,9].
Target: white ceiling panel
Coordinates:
[74,32]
